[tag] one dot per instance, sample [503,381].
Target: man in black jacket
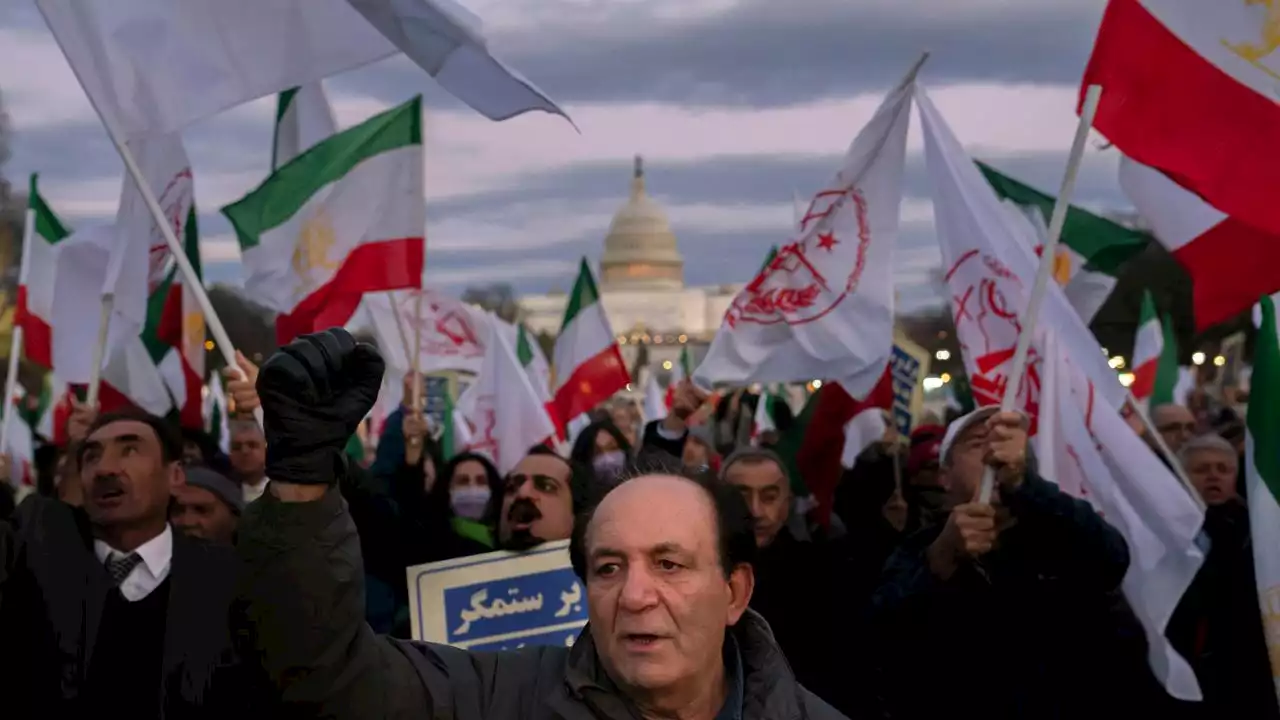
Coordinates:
[1009,609]
[109,610]
[665,560]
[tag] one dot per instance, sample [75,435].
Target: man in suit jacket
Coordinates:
[105,607]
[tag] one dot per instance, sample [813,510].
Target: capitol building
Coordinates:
[641,283]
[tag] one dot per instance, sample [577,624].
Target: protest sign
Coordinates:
[499,600]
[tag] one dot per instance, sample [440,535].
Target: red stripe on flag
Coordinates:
[37,336]
[1144,379]
[1231,266]
[169,331]
[371,267]
[191,415]
[1165,105]
[823,444]
[591,383]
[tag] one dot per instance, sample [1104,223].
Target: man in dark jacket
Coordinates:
[1009,609]
[105,609]
[665,560]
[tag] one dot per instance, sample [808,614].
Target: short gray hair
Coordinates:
[242,424]
[1202,443]
[754,455]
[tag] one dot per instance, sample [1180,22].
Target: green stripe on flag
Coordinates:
[773,253]
[1263,417]
[1166,366]
[1148,313]
[288,189]
[1106,246]
[524,352]
[47,225]
[584,294]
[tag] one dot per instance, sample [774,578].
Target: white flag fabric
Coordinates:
[78,280]
[303,119]
[144,258]
[156,66]
[1095,455]
[823,306]
[655,399]
[506,415]
[446,40]
[452,335]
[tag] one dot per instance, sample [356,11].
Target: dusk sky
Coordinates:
[735,105]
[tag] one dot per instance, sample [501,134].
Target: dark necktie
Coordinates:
[119,567]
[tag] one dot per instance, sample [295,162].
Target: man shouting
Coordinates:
[665,559]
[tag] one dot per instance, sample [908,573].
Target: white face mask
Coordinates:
[469,502]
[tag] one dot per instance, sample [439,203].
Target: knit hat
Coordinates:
[222,488]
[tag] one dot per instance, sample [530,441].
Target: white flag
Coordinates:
[1095,455]
[446,40]
[823,306]
[451,334]
[506,415]
[655,399]
[79,276]
[156,66]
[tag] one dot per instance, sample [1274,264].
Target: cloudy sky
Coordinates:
[735,104]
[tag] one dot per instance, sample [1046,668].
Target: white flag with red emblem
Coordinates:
[505,414]
[823,306]
[451,335]
[1069,392]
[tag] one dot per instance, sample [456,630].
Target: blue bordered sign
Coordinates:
[499,600]
[905,369]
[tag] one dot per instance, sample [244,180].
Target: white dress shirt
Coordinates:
[253,491]
[157,556]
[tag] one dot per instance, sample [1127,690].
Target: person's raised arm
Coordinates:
[300,609]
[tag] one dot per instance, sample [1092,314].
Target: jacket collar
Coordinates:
[769,687]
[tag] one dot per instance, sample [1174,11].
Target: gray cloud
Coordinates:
[760,53]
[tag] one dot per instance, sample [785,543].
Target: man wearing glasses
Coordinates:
[1175,423]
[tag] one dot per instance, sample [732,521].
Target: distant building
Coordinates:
[642,288]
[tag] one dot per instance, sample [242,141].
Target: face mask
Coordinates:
[469,502]
[609,463]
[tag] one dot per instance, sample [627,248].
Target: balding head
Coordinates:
[665,559]
[1175,424]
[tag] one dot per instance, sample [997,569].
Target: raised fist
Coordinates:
[314,393]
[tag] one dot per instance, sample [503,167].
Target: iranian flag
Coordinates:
[763,420]
[1155,357]
[586,353]
[1262,477]
[1231,262]
[343,219]
[504,412]
[1189,88]
[34,312]
[681,370]
[216,414]
[1093,250]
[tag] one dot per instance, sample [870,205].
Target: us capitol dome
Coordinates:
[641,283]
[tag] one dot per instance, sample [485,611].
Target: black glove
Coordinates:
[314,392]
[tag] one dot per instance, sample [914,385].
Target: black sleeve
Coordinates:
[300,615]
[1069,536]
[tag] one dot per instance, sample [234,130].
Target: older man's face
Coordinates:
[1175,424]
[537,504]
[1213,474]
[658,597]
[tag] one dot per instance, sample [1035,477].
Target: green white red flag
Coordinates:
[1262,476]
[587,360]
[1155,357]
[343,219]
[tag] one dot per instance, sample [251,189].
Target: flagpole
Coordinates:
[1163,448]
[15,341]
[1045,270]
[100,349]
